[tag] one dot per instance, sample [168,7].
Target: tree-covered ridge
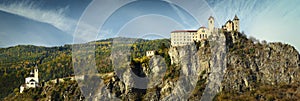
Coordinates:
[16,64]
[56,62]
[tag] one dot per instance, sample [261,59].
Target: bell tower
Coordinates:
[236,23]
[211,24]
[36,73]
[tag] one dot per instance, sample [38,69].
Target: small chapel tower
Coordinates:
[211,24]
[236,23]
[36,74]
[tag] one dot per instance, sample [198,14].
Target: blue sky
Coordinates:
[53,22]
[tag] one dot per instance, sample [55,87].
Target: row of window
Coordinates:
[201,36]
[181,42]
[181,39]
[182,36]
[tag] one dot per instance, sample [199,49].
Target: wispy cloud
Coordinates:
[55,17]
[86,32]
[143,27]
[31,10]
[197,9]
[278,21]
[271,20]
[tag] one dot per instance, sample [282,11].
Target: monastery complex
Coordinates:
[185,37]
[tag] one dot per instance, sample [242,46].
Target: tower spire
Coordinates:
[211,17]
[236,18]
[236,23]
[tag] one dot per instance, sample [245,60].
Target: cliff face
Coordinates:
[211,65]
[228,66]
[251,63]
[247,64]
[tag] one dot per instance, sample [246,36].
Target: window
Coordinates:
[203,31]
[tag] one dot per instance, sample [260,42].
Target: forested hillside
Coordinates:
[56,62]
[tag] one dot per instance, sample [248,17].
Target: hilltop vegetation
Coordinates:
[56,62]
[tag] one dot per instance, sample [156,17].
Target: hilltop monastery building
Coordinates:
[185,37]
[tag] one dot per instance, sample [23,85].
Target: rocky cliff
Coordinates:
[228,66]
[245,65]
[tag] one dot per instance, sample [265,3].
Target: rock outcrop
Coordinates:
[246,64]
[251,64]
[228,62]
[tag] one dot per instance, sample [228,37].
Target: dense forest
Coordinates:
[56,62]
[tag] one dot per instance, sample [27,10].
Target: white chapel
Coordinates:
[32,81]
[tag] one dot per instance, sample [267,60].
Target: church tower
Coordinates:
[211,24]
[36,74]
[236,23]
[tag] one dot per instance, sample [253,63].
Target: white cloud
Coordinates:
[30,10]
